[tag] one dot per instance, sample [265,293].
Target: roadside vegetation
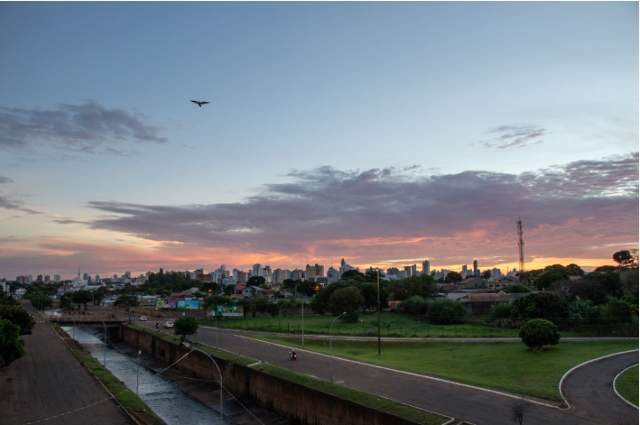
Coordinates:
[504,366]
[627,385]
[127,398]
[14,322]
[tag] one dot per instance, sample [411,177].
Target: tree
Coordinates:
[347,300]
[543,305]
[352,275]
[40,301]
[486,275]
[11,346]
[453,277]
[19,317]
[517,288]
[610,280]
[446,312]
[256,281]
[627,258]
[537,333]
[210,303]
[186,325]
[550,275]
[82,297]
[519,408]
[7,300]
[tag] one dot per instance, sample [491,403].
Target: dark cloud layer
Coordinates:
[511,136]
[87,128]
[328,206]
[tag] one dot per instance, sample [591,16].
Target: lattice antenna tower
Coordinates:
[520,244]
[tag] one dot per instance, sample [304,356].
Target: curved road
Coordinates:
[464,403]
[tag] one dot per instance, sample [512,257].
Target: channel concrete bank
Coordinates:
[285,398]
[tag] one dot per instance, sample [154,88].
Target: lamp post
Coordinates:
[186,344]
[330,347]
[138,373]
[105,343]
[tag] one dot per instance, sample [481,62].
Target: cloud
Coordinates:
[510,136]
[87,128]
[10,204]
[395,212]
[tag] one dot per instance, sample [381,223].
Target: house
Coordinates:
[501,282]
[472,283]
[480,304]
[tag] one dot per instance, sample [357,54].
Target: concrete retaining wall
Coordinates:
[285,398]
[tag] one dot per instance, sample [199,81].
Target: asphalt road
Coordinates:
[49,386]
[461,402]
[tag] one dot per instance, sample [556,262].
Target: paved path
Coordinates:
[49,381]
[589,389]
[474,405]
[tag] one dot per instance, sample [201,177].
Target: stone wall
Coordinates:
[285,398]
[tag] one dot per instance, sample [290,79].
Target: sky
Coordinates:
[382,133]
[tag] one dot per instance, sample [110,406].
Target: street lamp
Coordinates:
[186,344]
[330,352]
[138,373]
[105,344]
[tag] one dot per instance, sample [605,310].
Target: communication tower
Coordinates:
[520,244]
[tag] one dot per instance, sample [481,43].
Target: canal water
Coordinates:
[163,397]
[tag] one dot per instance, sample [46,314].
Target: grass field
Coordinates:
[391,324]
[627,385]
[503,366]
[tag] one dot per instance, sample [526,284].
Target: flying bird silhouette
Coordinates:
[199,103]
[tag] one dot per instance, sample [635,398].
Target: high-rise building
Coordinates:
[464,271]
[56,278]
[393,271]
[312,272]
[407,271]
[297,275]
[414,270]
[476,272]
[256,270]
[426,267]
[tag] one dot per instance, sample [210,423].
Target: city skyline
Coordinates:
[384,133]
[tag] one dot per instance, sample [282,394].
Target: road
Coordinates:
[461,402]
[49,382]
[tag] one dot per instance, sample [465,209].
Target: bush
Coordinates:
[446,312]
[501,311]
[517,288]
[539,332]
[11,348]
[415,305]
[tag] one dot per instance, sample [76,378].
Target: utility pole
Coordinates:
[520,244]
[378,279]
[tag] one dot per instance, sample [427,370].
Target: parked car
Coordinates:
[168,324]
[143,318]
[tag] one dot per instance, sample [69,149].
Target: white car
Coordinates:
[168,324]
[143,318]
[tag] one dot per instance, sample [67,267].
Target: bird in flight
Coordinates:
[199,103]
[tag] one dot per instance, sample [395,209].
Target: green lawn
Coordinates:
[627,385]
[391,324]
[503,366]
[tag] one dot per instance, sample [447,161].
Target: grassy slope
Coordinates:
[365,399]
[508,367]
[627,385]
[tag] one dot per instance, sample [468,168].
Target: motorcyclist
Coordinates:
[292,354]
[157,325]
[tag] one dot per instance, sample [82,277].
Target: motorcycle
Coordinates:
[156,325]
[293,355]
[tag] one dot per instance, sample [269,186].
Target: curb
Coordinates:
[616,391]
[579,366]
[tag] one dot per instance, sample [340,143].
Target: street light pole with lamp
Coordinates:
[186,344]
[330,346]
